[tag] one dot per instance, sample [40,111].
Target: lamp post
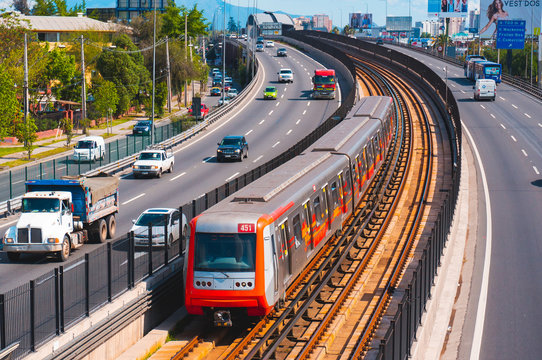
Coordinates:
[224,54]
[446,90]
[153,72]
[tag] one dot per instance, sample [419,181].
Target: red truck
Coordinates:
[324,84]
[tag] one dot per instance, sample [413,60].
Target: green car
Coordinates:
[270,92]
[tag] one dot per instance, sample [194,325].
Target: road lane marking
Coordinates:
[289,132]
[463,92]
[299,120]
[483,107]
[524,152]
[539,124]
[132,199]
[536,170]
[261,122]
[304,112]
[206,159]
[529,116]
[61,167]
[309,103]
[278,142]
[231,177]
[277,104]
[178,176]
[504,127]
[270,112]
[258,158]
[453,85]
[514,106]
[500,97]
[282,96]
[493,116]
[513,138]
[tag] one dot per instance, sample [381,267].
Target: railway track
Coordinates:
[335,306]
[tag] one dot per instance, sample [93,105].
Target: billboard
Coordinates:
[361,21]
[448,8]
[492,11]
[399,23]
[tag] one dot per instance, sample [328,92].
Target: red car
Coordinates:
[204,111]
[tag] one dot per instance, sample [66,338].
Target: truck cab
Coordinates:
[324,84]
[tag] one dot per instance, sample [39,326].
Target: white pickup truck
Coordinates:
[153,162]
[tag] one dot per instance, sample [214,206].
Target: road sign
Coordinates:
[510,34]
[536,31]
[439,48]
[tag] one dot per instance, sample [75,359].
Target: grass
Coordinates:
[10,150]
[35,157]
[115,123]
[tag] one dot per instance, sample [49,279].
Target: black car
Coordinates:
[143,127]
[379,41]
[281,52]
[232,147]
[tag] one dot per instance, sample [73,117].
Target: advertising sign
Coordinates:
[510,34]
[448,8]
[361,21]
[493,10]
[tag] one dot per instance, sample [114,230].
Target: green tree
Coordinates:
[9,106]
[44,8]
[335,30]
[26,132]
[56,7]
[106,98]
[66,125]
[425,35]
[160,100]
[60,67]
[232,26]
[21,6]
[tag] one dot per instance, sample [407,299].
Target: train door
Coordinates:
[297,235]
[362,168]
[335,207]
[306,227]
[285,250]
[370,159]
[377,150]
[328,208]
[271,266]
[319,209]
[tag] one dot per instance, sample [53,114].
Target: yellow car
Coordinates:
[270,92]
[216,91]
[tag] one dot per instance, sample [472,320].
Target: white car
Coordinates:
[232,93]
[90,148]
[226,101]
[269,43]
[177,227]
[286,75]
[259,47]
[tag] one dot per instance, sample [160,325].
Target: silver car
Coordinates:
[177,227]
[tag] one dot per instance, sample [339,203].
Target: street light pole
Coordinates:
[153,72]
[224,55]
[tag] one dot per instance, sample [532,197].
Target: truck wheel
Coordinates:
[111,226]
[100,231]
[159,174]
[170,170]
[13,256]
[64,254]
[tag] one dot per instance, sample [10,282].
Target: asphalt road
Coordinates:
[508,135]
[270,127]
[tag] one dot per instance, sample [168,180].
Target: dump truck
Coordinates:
[60,215]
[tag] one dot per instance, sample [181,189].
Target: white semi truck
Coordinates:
[60,215]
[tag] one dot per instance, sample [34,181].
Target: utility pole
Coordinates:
[83,82]
[224,54]
[168,76]
[540,61]
[191,60]
[185,58]
[25,81]
[153,73]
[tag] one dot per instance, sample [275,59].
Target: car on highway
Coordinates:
[379,41]
[269,43]
[232,93]
[142,127]
[282,52]
[216,91]
[224,101]
[204,111]
[215,71]
[259,47]
[153,162]
[157,219]
[485,89]
[89,148]
[217,81]
[228,80]
[286,75]
[233,147]
[270,92]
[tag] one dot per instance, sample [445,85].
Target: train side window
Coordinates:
[308,219]
[285,245]
[369,151]
[363,163]
[334,194]
[317,207]
[296,224]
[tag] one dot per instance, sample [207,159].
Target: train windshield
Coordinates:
[225,252]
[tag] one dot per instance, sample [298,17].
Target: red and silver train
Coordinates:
[245,251]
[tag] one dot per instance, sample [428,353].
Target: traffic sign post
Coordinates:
[510,34]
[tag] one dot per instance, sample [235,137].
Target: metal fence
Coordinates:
[33,313]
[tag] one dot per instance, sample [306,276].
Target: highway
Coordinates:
[270,127]
[508,283]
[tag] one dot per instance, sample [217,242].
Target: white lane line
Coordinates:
[536,170]
[304,112]
[493,116]
[500,97]
[309,103]
[206,160]
[513,138]
[61,167]
[514,106]
[453,85]
[463,92]
[524,152]
[483,107]
[270,112]
[248,132]
[132,199]
[482,300]
[231,177]
[258,158]
[529,116]
[18,182]
[289,132]
[282,96]
[286,88]
[278,142]
[539,124]
[277,104]
[178,176]
[298,121]
[261,122]
[504,127]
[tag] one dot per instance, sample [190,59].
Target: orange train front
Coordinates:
[245,251]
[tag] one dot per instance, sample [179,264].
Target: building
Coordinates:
[102,14]
[130,9]
[302,23]
[431,27]
[321,21]
[474,19]
[456,25]
[65,28]
[269,23]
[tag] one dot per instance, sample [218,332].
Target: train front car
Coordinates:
[226,262]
